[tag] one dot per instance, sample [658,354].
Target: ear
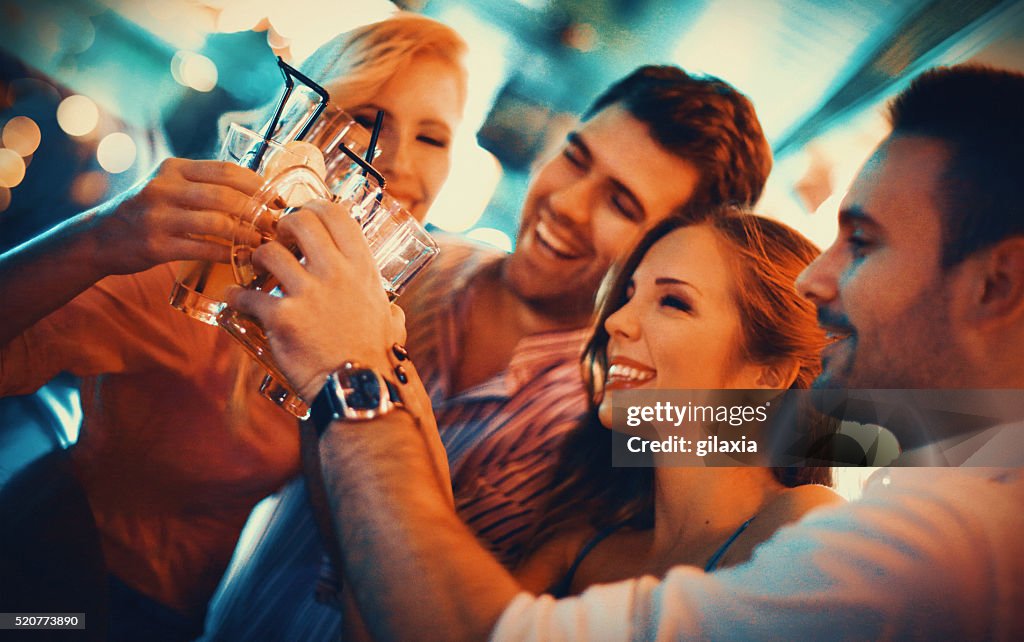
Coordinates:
[777,376]
[1000,277]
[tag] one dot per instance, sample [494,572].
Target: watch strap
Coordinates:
[329,405]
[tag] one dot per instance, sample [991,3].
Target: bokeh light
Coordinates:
[22,135]
[5,198]
[78,115]
[492,237]
[194,70]
[116,152]
[81,38]
[12,168]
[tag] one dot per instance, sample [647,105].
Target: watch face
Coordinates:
[362,389]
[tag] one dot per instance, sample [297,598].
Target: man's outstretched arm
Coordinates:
[407,556]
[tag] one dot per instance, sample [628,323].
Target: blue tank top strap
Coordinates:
[561,588]
[717,557]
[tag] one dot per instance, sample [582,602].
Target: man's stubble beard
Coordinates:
[572,306]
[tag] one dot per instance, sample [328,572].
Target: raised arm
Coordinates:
[407,556]
[182,211]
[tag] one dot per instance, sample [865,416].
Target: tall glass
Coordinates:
[399,245]
[200,285]
[328,150]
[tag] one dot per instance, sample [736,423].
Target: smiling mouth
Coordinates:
[621,375]
[559,247]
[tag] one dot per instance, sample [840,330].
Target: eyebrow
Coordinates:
[433,122]
[576,140]
[668,280]
[855,214]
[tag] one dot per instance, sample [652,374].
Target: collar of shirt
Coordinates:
[532,356]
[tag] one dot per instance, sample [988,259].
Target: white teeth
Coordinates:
[556,244]
[619,371]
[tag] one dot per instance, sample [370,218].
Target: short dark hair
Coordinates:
[978,112]
[703,120]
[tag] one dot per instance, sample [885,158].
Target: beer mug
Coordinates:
[328,150]
[400,246]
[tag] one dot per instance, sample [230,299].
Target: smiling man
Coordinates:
[924,287]
[497,337]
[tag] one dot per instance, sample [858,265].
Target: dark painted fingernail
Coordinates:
[400,352]
[400,373]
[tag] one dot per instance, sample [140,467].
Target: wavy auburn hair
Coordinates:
[777,324]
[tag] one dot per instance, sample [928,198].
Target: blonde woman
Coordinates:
[170,469]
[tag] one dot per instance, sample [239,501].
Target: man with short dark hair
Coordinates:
[921,292]
[497,337]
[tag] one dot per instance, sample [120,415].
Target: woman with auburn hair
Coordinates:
[170,463]
[696,306]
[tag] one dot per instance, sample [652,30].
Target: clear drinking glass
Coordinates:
[200,285]
[328,149]
[399,245]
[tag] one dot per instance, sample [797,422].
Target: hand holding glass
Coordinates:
[199,289]
[200,286]
[399,245]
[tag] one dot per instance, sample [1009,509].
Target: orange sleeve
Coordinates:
[121,324]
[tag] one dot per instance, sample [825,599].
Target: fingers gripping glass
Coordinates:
[200,285]
[398,243]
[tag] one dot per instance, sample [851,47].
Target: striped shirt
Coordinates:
[501,437]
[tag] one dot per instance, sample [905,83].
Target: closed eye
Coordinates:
[625,207]
[672,301]
[430,140]
[859,245]
[366,119]
[574,156]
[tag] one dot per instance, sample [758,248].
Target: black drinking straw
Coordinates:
[290,72]
[377,125]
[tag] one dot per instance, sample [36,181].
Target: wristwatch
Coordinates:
[353,393]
